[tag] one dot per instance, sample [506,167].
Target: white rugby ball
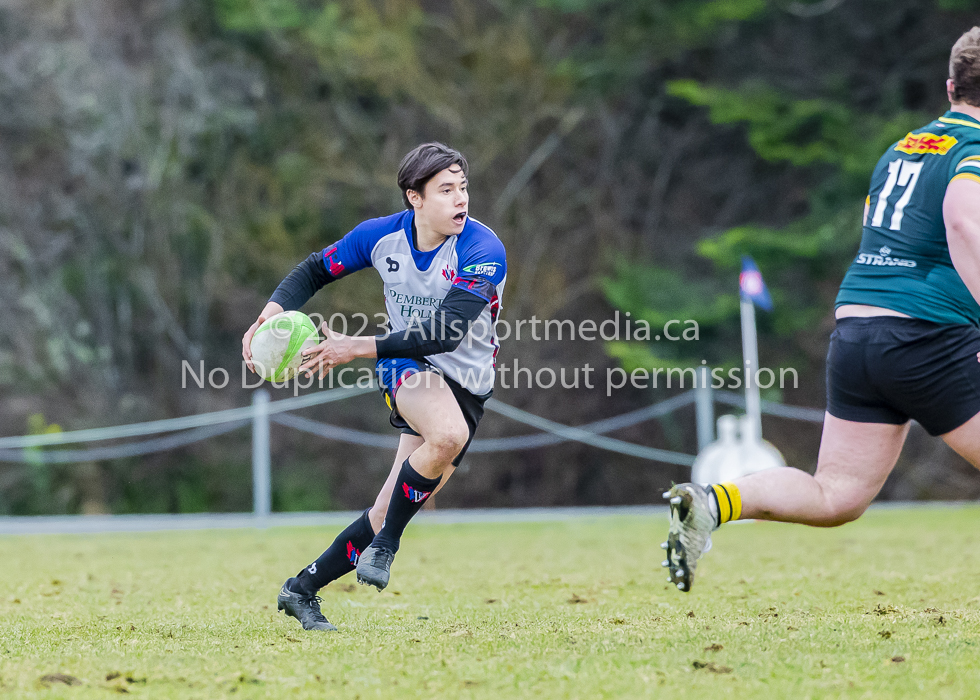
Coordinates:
[279,344]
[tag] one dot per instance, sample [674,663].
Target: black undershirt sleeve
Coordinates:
[302,283]
[442,333]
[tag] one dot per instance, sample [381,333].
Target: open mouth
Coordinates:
[460,217]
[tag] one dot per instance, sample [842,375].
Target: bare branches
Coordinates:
[536,160]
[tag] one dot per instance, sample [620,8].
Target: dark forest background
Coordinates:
[164,163]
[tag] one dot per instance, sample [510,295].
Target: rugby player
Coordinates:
[906,345]
[443,275]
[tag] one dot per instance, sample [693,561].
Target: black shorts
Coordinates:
[888,369]
[392,372]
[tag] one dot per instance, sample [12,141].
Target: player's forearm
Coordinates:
[406,345]
[964,249]
[961,212]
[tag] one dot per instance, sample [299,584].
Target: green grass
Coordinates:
[887,607]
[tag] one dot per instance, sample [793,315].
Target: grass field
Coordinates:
[887,607]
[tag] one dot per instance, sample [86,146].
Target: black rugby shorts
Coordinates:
[888,369]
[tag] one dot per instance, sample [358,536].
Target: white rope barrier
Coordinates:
[23,449]
[333,432]
[29,455]
[781,410]
[191,429]
[554,432]
[173,424]
[584,436]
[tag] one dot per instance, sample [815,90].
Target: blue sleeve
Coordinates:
[351,253]
[482,264]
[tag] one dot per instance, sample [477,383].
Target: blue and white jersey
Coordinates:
[415,284]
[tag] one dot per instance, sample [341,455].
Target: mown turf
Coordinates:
[887,607]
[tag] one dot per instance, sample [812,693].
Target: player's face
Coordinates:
[445,205]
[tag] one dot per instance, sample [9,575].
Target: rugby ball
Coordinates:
[279,344]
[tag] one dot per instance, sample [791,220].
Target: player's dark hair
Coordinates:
[422,164]
[964,68]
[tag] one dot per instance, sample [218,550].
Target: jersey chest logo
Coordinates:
[926,143]
[883,259]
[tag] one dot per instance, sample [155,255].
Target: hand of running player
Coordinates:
[335,349]
[270,310]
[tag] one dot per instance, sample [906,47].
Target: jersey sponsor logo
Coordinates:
[333,262]
[414,495]
[883,259]
[392,264]
[485,269]
[353,553]
[412,305]
[926,143]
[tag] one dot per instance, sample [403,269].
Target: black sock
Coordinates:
[339,559]
[411,491]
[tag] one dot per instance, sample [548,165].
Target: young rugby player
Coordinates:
[443,275]
[906,346]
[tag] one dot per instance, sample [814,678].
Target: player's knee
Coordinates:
[449,439]
[845,511]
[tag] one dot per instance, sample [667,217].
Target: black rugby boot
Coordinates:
[305,608]
[374,566]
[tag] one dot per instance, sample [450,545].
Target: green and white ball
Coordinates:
[279,344]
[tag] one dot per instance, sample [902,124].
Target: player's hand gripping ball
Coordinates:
[279,344]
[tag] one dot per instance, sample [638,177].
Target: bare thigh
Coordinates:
[966,440]
[429,406]
[854,462]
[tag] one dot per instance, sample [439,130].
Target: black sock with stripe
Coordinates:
[411,491]
[339,559]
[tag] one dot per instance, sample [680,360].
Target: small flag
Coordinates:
[751,284]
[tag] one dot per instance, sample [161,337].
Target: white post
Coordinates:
[704,409]
[750,364]
[261,461]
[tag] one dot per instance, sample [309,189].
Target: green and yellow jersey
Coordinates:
[903,263]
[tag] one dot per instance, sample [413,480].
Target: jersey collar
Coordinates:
[423,261]
[959,118]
